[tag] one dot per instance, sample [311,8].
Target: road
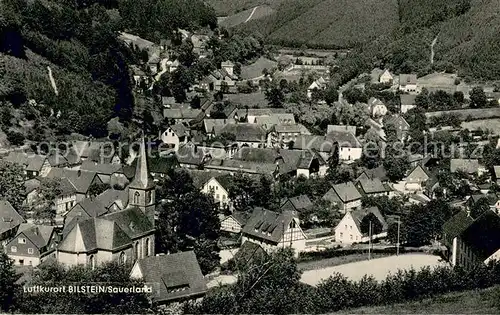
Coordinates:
[251,14]
[52,81]
[432,49]
[379,268]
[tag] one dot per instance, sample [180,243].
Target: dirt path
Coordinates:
[251,14]
[163,66]
[52,81]
[432,49]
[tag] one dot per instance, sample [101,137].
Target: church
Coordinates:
[125,235]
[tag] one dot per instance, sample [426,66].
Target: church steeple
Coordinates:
[142,178]
[142,188]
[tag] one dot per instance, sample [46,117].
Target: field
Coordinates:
[379,268]
[490,124]
[469,302]
[475,113]
[252,100]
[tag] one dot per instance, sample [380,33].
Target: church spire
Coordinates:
[142,178]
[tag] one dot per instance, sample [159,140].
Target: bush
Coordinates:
[15,138]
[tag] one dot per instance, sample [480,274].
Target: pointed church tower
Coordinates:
[142,188]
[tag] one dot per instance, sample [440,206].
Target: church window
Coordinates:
[92,261]
[147,247]
[136,197]
[148,197]
[123,258]
[136,250]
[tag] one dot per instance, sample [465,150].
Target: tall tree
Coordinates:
[12,183]
[478,98]
[8,286]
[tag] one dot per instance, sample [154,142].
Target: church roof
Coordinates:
[142,178]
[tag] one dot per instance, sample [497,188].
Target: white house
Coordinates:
[349,229]
[234,222]
[349,147]
[407,102]
[175,135]
[319,84]
[272,230]
[408,83]
[386,77]
[218,188]
[377,107]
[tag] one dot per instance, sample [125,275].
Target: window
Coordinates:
[147,248]
[217,197]
[136,250]
[341,235]
[137,196]
[346,226]
[351,237]
[123,258]
[149,198]
[13,249]
[216,187]
[21,262]
[30,250]
[92,261]
[224,197]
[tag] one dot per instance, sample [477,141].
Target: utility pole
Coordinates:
[370,241]
[397,244]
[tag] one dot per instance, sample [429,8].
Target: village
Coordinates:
[378,169]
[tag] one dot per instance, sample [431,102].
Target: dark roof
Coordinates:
[483,234]
[245,132]
[267,225]
[104,169]
[184,113]
[346,192]
[359,214]
[241,217]
[296,203]
[132,221]
[318,143]
[56,159]
[173,272]
[191,154]
[248,253]
[407,99]
[456,225]
[371,185]
[200,177]
[9,217]
[31,162]
[378,172]
[156,164]
[81,180]
[241,166]
[39,235]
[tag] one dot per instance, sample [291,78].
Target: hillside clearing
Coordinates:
[246,16]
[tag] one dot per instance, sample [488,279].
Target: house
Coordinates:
[215,184]
[200,44]
[348,146]
[181,115]
[378,172]
[178,276]
[349,230]
[30,191]
[105,172]
[468,166]
[272,230]
[10,220]
[281,135]
[31,243]
[234,222]
[319,144]
[492,199]
[381,76]
[470,241]
[341,128]
[33,164]
[98,152]
[159,166]
[77,181]
[377,107]
[496,171]
[175,135]
[407,102]
[431,186]
[125,235]
[345,195]
[401,125]
[417,178]
[319,84]
[253,115]
[272,119]
[140,77]
[210,125]
[68,159]
[408,83]
[373,187]
[248,135]
[228,67]
[297,204]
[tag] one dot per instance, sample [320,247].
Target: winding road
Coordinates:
[432,48]
[52,81]
[251,14]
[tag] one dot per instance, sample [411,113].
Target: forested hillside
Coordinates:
[77,42]
[397,33]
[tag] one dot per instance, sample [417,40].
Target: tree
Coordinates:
[97,188]
[196,102]
[45,202]
[355,95]
[331,95]
[224,87]
[275,97]
[478,98]
[189,221]
[8,286]
[12,183]
[376,226]
[480,207]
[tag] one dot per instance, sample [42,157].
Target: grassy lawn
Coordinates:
[252,100]
[336,261]
[491,124]
[469,302]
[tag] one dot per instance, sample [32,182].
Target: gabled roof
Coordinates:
[398,121]
[310,142]
[371,185]
[407,99]
[81,180]
[347,192]
[344,139]
[373,101]
[56,159]
[423,176]
[113,196]
[132,221]
[172,272]
[191,154]
[39,235]
[180,130]
[31,162]
[104,169]
[378,172]
[291,128]
[405,79]
[181,113]
[341,128]
[9,217]
[482,235]
[359,214]
[245,132]
[211,124]
[469,166]
[298,203]
[268,225]
[31,184]
[456,225]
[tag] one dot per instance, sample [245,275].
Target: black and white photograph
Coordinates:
[180,157]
